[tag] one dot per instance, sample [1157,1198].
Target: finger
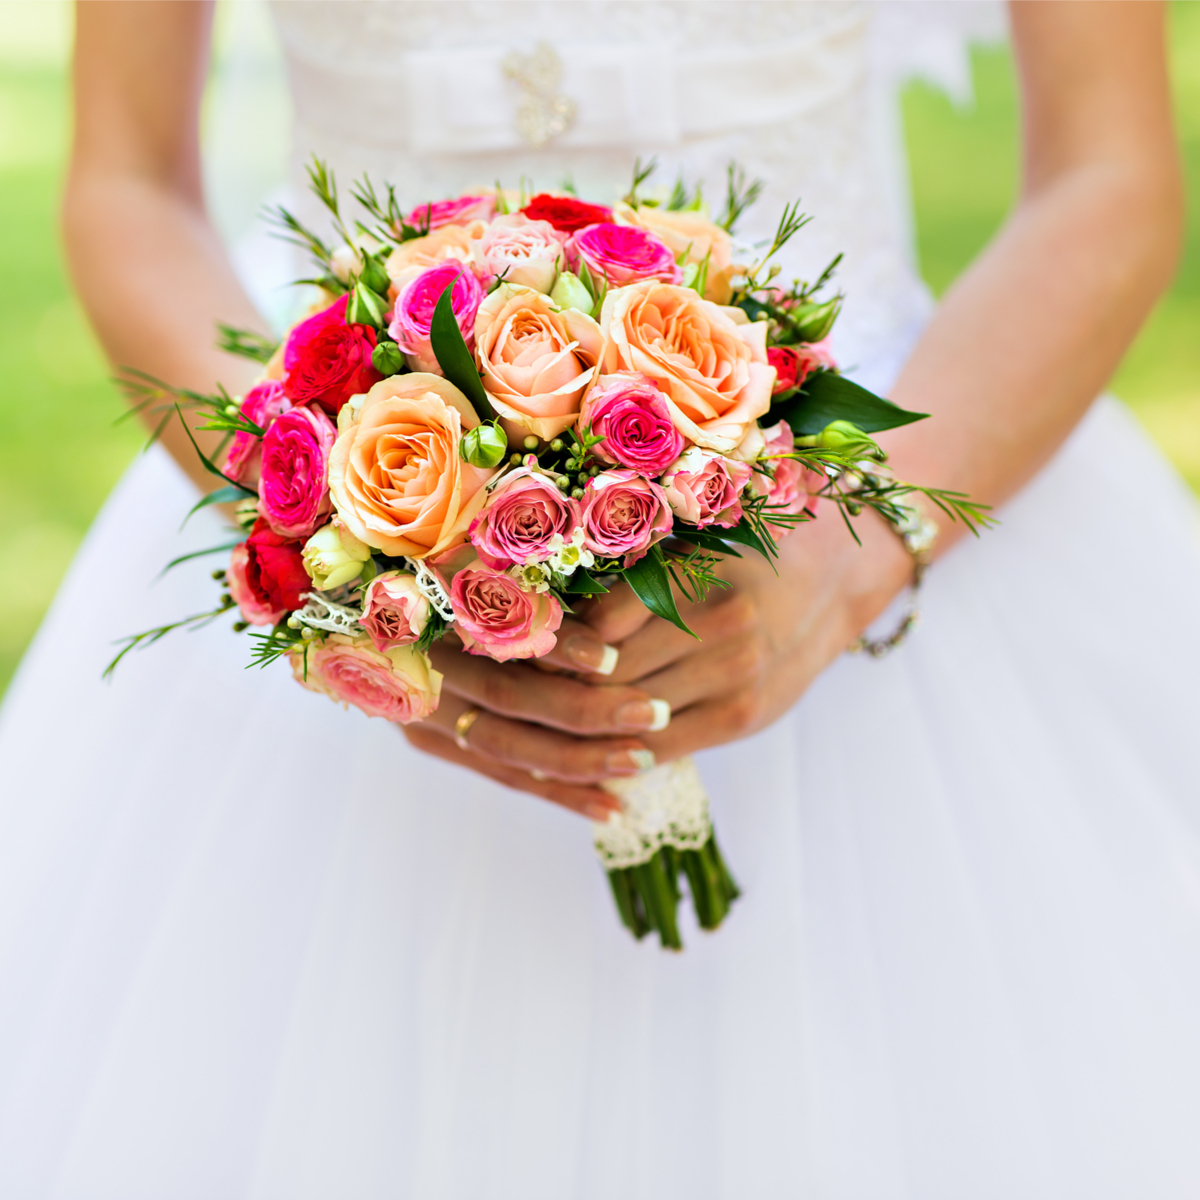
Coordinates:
[588,802]
[659,643]
[556,701]
[616,615]
[578,648]
[711,723]
[541,751]
[724,666]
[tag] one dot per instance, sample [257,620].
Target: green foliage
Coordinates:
[827,397]
[651,583]
[245,343]
[456,361]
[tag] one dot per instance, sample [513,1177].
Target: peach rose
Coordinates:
[395,475]
[410,258]
[709,362]
[695,233]
[398,684]
[536,361]
[519,251]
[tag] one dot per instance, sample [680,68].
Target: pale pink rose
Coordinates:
[293,493]
[395,612]
[622,254]
[254,610]
[710,362]
[452,212]
[415,303]
[704,488]
[518,250]
[624,514]
[494,616]
[398,685]
[535,361]
[520,519]
[794,487]
[263,403]
[632,417]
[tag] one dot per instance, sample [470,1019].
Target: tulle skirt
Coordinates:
[254,946]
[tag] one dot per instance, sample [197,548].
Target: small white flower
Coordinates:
[533,577]
[565,557]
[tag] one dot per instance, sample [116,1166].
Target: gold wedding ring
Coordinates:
[462,727]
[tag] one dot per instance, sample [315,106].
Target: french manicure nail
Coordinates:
[592,655]
[599,812]
[638,714]
[662,715]
[629,762]
[644,758]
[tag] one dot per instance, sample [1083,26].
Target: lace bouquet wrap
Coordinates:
[501,405]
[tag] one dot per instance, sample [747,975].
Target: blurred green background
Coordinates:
[54,388]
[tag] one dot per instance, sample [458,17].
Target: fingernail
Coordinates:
[540,776]
[592,655]
[662,715]
[637,714]
[629,762]
[599,812]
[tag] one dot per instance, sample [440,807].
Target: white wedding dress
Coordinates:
[253,946]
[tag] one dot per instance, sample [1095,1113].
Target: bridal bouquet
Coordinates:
[503,404]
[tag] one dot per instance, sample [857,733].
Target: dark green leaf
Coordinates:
[453,356]
[209,465]
[200,553]
[651,584]
[827,396]
[705,540]
[225,495]
[582,584]
[744,535]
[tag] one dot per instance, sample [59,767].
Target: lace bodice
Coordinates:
[416,92]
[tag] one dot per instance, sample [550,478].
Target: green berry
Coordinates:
[531,443]
[515,459]
[577,493]
[556,445]
[563,482]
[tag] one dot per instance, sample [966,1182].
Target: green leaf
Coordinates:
[827,396]
[744,535]
[651,584]
[199,554]
[453,356]
[582,584]
[209,465]
[225,495]
[705,540]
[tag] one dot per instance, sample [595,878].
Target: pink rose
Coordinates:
[414,311]
[624,514]
[793,487]
[623,254]
[263,403]
[704,489]
[257,607]
[494,616]
[395,613]
[452,212]
[293,494]
[632,417]
[518,250]
[521,518]
[398,685]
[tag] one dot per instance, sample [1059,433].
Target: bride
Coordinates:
[252,945]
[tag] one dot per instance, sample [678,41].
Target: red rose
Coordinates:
[793,364]
[566,213]
[275,571]
[328,361]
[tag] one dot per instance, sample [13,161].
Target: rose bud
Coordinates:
[484,446]
[843,435]
[334,556]
[814,321]
[365,307]
[569,292]
[387,358]
[374,275]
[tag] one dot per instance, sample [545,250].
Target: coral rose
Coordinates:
[267,576]
[632,417]
[520,520]
[622,254]
[398,685]
[536,362]
[293,493]
[705,489]
[451,243]
[565,213]
[493,615]
[794,364]
[395,474]
[263,403]
[624,514]
[710,362]
[694,234]
[256,606]
[328,361]
[395,612]
[518,250]
[415,302]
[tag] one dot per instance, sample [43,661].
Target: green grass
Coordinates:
[60,452]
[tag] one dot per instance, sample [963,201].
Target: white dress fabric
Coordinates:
[253,946]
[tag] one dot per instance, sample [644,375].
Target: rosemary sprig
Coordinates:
[150,636]
[739,195]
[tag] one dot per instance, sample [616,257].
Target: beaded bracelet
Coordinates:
[919,535]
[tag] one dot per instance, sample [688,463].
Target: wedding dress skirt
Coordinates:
[252,945]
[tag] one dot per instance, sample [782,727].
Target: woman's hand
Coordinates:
[760,643]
